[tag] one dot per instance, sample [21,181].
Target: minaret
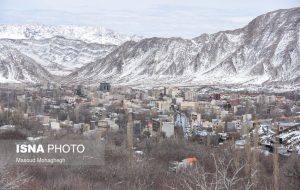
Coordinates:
[130,133]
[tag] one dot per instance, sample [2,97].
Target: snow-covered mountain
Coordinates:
[60,56]
[87,34]
[265,51]
[61,49]
[16,67]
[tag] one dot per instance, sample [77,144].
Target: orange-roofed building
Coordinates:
[190,160]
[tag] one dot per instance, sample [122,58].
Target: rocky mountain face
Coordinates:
[265,51]
[61,49]
[16,67]
[60,56]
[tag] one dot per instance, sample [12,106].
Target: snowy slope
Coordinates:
[16,67]
[266,51]
[61,49]
[60,56]
[84,33]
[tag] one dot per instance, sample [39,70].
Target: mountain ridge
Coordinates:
[16,67]
[89,34]
[59,55]
[266,50]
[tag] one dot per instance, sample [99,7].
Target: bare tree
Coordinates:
[225,177]
[12,178]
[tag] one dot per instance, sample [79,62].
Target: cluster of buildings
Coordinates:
[165,112]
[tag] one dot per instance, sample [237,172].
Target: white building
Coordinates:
[247,117]
[163,105]
[168,129]
[55,125]
[189,96]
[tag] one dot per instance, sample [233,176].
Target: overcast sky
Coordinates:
[164,18]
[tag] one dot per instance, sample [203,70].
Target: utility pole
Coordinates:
[254,153]
[208,140]
[247,147]
[276,161]
[8,110]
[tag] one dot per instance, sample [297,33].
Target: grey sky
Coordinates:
[185,18]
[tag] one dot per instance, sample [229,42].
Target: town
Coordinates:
[164,112]
[129,118]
